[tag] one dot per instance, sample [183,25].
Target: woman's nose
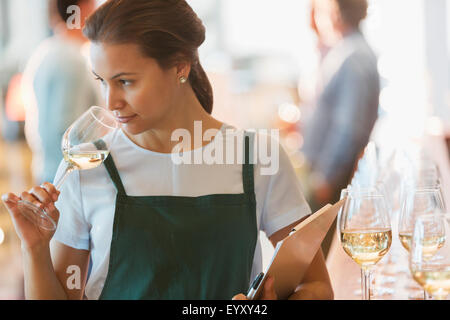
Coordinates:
[113,99]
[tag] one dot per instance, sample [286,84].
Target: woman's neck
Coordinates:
[185,115]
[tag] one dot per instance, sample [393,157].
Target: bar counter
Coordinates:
[391,276]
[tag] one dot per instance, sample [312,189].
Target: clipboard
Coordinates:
[294,253]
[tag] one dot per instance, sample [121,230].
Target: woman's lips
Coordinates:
[122,119]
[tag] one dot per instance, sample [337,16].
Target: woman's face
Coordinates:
[135,88]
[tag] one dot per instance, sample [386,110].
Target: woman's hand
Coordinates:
[44,197]
[267,294]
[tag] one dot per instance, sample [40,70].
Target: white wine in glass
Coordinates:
[435,280]
[430,254]
[417,202]
[365,231]
[81,152]
[85,160]
[430,244]
[366,247]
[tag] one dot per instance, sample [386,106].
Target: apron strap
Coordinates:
[247,169]
[111,168]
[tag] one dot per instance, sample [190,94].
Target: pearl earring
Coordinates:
[183,79]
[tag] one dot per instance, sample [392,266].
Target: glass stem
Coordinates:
[60,181]
[365,283]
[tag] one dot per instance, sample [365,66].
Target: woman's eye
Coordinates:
[125,82]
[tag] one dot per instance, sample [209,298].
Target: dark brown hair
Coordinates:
[352,11]
[57,10]
[168,31]
[63,5]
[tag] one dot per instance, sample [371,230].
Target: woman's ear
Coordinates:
[183,69]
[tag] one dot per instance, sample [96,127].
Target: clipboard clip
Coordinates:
[254,286]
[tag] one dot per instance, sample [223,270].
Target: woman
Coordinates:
[155,229]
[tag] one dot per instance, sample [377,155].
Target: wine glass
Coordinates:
[365,231]
[80,153]
[378,290]
[417,202]
[430,254]
[429,177]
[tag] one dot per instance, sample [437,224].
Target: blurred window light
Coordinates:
[448,29]
[289,112]
[256,26]
[298,160]
[293,141]
[15,110]
[434,126]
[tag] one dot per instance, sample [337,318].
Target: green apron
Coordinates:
[170,247]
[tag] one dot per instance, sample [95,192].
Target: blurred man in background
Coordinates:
[58,86]
[346,104]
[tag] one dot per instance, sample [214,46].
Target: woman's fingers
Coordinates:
[267,294]
[51,190]
[42,195]
[239,296]
[28,231]
[31,198]
[269,289]
[53,212]
[45,195]
[10,200]
[53,194]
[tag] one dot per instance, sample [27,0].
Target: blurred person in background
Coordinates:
[58,87]
[346,102]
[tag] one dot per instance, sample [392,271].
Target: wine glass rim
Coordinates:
[434,215]
[426,189]
[366,191]
[107,112]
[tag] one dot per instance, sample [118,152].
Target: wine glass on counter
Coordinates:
[417,202]
[365,231]
[378,289]
[430,254]
[82,150]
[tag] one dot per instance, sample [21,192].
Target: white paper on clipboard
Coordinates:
[293,255]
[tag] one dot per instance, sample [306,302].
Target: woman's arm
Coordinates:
[40,279]
[57,272]
[316,284]
[71,268]
[45,279]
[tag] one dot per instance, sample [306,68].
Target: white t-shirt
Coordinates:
[87,199]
